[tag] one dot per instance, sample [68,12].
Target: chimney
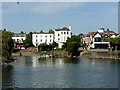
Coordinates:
[70,27]
[41,31]
[107,29]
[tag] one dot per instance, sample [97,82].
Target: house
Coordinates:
[96,40]
[18,40]
[86,38]
[62,34]
[41,38]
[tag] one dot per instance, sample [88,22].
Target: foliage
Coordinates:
[51,31]
[72,44]
[54,44]
[113,42]
[44,47]
[7,46]
[28,42]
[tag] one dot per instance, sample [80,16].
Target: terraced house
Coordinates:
[41,38]
[60,36]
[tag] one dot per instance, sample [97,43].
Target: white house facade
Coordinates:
[96,39]
[61,35]
[41,38]
[18,40]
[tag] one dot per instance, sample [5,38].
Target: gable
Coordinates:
[97,35]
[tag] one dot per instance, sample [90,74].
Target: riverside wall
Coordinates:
[109,55]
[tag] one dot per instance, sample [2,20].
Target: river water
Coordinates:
[82,72]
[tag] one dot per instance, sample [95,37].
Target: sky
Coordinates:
[84,17]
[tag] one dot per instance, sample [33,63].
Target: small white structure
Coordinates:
[41,38]
[18,40]
[61,35]
[19,37]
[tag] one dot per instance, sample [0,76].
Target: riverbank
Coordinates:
[26,53]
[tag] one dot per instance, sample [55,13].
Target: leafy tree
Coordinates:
[44,47]
[72,47]
[54,44]
[114,42]
[7,46]
[28,42]
[72,44]
[51,31]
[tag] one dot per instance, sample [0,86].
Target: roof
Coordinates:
[108,33]
[41,32]
[19,35]
[64,28]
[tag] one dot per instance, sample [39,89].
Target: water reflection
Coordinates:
[7,76]
[33,72]
[57,61]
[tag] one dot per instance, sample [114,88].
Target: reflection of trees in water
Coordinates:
[104,61]
[7,76]
[54,61]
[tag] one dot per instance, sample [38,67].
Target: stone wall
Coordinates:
[111,55]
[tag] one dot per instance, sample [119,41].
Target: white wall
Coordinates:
[62,37]
[43,38]
[19,39]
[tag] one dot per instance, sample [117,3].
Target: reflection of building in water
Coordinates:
[34,61]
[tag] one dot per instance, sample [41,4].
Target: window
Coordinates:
[46,36]
[50,40]
[64,38]
[64,32]
[58,38]
[46,40]
[50,36]
[58,34]
[67,32]
[41,40]
[36,44]
[61,32]
[36,36]
[61,38]
[17,39]
[97,39]
[36,40]
[22,39]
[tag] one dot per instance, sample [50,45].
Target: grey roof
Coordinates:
[19,35]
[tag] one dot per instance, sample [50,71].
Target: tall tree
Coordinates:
[7,46]
[28,42]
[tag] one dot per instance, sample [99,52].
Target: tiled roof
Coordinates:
[41,32]
[64,28]
[109,33]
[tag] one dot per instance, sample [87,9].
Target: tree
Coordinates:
[7,46]
[114,42]
[28,42]
[72,44]
[51,31]
[72,47]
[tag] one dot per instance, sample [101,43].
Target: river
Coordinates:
[82,72]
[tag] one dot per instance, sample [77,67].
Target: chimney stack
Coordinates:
[70,27]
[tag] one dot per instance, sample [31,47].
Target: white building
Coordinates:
[96,38]
[61,35]
[18,40]
[41,38]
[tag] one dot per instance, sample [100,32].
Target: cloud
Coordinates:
[54,7]
[61,0]
[46,7]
